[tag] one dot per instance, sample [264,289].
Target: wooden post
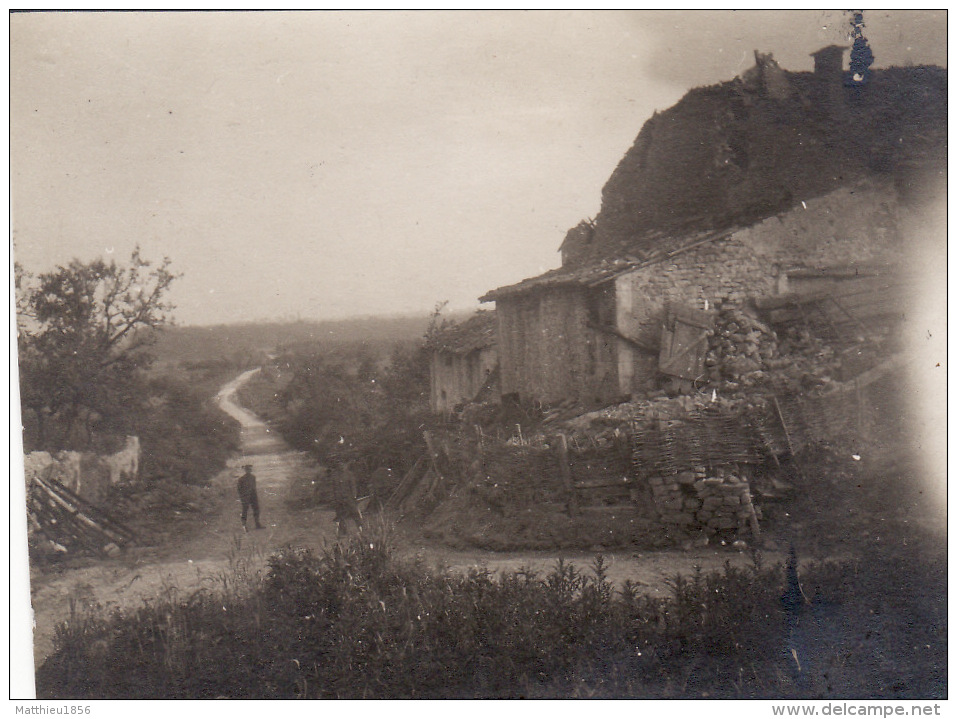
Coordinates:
[439,479]
[753,520]
[479,443]
[787,436]
[433,454]
[403,488]
[566,474]
[784,425]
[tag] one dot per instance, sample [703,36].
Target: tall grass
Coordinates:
[351,621]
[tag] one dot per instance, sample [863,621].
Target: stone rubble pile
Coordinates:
[744,354]
[811,359]
[741,350]
[746,363]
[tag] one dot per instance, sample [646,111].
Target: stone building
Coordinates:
[770,184]
[464,363]
[594,333]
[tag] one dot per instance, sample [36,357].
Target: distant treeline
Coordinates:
[246,343]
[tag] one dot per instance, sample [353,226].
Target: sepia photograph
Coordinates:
[487,354]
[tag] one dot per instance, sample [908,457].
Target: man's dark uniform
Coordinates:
[246,487]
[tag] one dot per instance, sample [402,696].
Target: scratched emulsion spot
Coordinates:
[861,56]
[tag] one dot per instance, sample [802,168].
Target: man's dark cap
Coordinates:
[247,466]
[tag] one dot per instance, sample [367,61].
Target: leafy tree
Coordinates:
[84,331]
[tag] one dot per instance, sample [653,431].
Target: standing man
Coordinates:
[246,486]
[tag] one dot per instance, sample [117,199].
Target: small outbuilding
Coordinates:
[464,362]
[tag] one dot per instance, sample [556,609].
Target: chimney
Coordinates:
[829,76]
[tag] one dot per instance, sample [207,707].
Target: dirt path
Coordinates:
[651,572]
[199,560]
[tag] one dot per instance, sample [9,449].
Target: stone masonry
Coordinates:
[718,501]
[853,225]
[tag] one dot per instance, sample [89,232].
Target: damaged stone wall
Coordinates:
[85,473]
[548,350]
[852,225]
[508,479]
[856,224]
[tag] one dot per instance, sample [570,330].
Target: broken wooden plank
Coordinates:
[703,319]
[73,512]
[684,340]
[404,487]
[753,522]
[669,364]
[430,444]
[92,510]
[894,363]
[784,425]
[60,525]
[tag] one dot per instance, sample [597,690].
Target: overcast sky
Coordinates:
[324,165]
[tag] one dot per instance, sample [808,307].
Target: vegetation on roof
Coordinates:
[475,333]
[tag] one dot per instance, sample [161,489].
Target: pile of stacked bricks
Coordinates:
[717,501]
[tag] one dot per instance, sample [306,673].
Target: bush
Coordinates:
[185,437]
[351,621]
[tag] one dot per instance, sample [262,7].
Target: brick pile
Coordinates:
[718,501]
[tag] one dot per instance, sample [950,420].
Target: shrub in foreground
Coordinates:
[352,621]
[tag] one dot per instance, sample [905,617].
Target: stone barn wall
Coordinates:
[852,226]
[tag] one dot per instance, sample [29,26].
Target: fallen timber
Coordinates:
[71,522]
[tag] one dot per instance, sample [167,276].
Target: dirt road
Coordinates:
[197,560]
[200,559]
